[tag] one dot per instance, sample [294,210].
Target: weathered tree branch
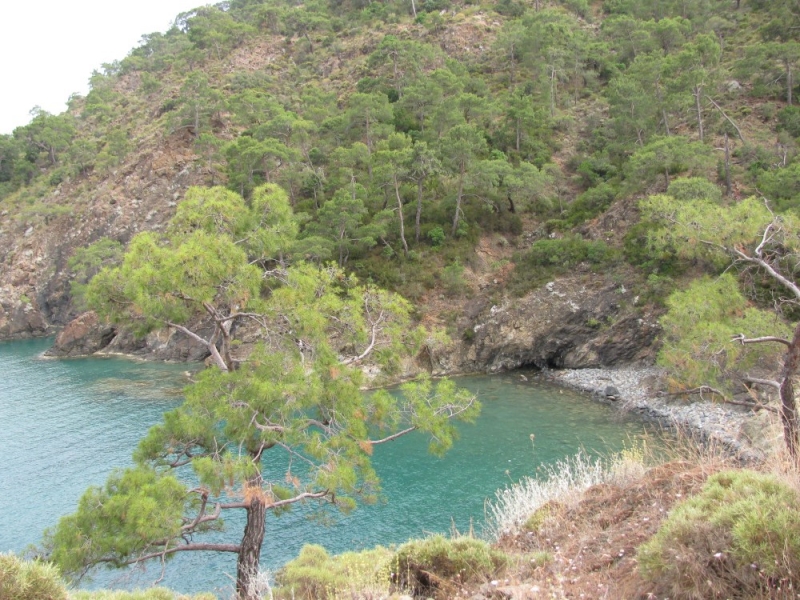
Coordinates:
[759,340]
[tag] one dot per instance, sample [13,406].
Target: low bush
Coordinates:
[425,567]
[738,538]
[316,575]
[789,120]
[29,580]
[549,257]
[591,203]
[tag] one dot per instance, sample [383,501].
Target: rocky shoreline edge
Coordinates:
[748,436]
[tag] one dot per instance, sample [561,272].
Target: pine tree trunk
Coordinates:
[458,200]
[788,405]
[253,538]
[400,215]
[698,91]
[419,210]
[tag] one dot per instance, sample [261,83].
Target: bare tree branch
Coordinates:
[759,340]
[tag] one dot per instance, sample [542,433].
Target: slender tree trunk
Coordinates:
[727,166]
[789,85]
[666,121]
[400,215]
[458,199]
[419,210]
[698,92]
[250,552]
[788,407]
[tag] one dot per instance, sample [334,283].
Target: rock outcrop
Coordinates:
[82,336]
[577,322]
[21,320]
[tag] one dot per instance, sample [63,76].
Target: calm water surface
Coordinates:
[65,424]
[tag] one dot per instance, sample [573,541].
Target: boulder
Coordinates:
[82,336]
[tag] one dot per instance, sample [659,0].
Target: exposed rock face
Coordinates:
[162,344]
[86,335]
[21,320]
[34,249]
[83,335]
[577,322]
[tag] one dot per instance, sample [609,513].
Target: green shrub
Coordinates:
[453,279]
[423,566]
[591,203]
[789,120]
[694,188]
[738,538]
[436,236]
[316,575]
[567,252]
[27,580]
[639,252]
[546,258]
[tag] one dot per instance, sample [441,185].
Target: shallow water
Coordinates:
[67,423]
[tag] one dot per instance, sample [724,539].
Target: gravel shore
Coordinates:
[634,389]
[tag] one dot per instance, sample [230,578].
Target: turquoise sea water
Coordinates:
[65,424]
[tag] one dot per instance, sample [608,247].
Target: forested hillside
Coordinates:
[554,183]
[442,149]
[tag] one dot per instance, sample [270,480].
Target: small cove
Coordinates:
[67,423]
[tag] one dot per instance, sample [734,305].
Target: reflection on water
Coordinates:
[68,423]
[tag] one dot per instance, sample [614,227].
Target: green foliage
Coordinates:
[782,187]
[590,203]
[548,257]
[86,262]
[738,538]
[467,558]
[297,394]
[698,328]
[115,522]
[436,236]
[453,279]
[654,259]
[27,580]
[689,189]
[667,156]
[789,120]
[315,575]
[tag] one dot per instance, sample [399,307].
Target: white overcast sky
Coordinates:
[49,48]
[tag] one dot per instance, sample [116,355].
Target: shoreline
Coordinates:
[728,426]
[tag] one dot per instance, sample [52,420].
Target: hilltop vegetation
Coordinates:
[399,129]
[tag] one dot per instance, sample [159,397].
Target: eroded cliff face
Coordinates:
[575,322]
[36,244]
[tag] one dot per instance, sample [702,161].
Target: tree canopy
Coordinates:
[282,422]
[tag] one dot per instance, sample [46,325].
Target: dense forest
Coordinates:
[649,144]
